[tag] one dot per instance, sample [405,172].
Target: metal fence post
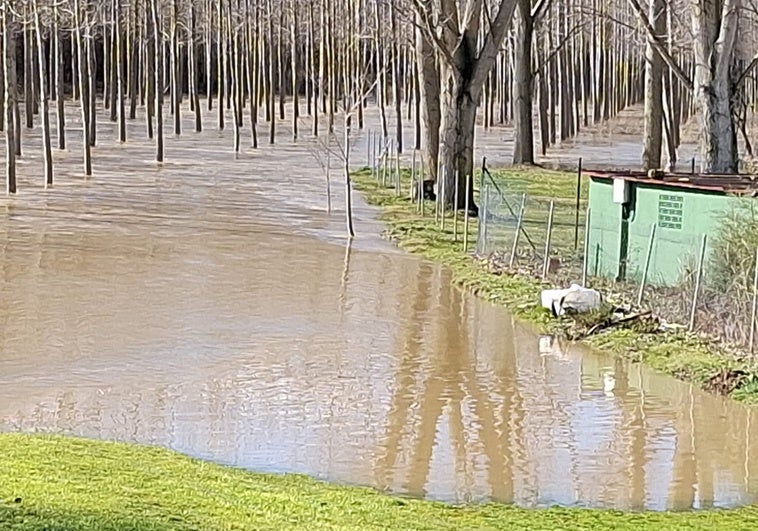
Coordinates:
[443,200]
[483,220]
[585,258]
[465,213]
[519,221]
[397,168]
[578,195]
[755,304]
[698,280]
[647,265]
[546,261]
[455,206]
[413,177]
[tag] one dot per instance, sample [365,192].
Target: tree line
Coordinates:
[551,66]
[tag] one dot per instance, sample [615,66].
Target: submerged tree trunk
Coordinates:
[653,114]
[59,88]
[9,65]
[84,90]
[91,90]
[159,60]
[194,68]
[28,86]
[150,61]
[271,70]
[44,107]
[118,65]
[176,82]
[294,64]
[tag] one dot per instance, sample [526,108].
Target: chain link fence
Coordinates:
[544,237]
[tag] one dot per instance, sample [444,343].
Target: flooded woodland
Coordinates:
[211,305]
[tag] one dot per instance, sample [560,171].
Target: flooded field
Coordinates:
[213,307]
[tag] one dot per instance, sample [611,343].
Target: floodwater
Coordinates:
[213,307]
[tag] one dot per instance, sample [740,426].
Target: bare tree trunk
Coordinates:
[418,127]
[159,59]
[89,47]
[715,33]
[671,108]
[348,184]
[150,62]
[321,85]
[271,72]
[280,64]
[653,114]
[332,67]
[294,57]
[118,65]
[209,54]
[28,79]
[59,91]
[9,66]
[381,69]
[44,107]
[459,106]
[308,63]
[176,82]
[220,68]
[134,35]
[233,38]
[2,85]
[251,54]
[523,86]
[84,89]
[544,106]
[429,84]
[115,62]
[465,70]
[194,68]
[106,32]
[322,57]
[314,84]
[396,79]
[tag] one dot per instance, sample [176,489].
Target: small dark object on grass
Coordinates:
[429,194]
[17,500]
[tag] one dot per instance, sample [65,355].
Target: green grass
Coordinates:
[678,354]
[59,483]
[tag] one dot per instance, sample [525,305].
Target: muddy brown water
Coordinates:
[213,307]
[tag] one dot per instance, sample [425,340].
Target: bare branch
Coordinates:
[492,40]
[659,47]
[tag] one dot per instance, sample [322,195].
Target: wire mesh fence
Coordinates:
[530,234]
[557,239]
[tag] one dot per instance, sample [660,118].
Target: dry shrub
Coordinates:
[732,256]
[727,293]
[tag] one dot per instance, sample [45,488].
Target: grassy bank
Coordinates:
[59,483]
[679,354]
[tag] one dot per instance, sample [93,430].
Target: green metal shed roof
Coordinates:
[712,183]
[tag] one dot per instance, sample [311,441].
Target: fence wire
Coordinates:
[516,226]
[545,237]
